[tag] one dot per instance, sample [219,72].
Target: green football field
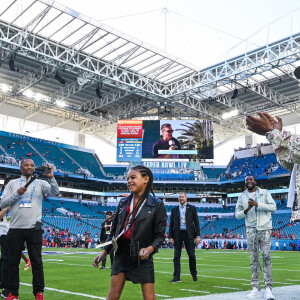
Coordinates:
[69,274]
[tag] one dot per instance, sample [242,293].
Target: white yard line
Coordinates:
[68,292]
[226,287]
[199,275]
[218,277]
[207,276]
[78,265]
[236,267]
[52,259]
[293,279]
[163,296]
[204,292]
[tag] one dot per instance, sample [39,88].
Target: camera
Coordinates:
[43,170]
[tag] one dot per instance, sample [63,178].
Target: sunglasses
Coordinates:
[169,131]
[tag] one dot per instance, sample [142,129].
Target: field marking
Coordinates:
[293,279]
[67,292]
[218,277]
[287,293]
[207,276]
[171,258]
[199,275]
[52,259]
[226,287]
[163,296]
[195,291]
[165,262]
[68,253]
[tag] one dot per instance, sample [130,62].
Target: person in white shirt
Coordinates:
[256,205]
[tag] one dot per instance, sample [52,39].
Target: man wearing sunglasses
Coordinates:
[166,142]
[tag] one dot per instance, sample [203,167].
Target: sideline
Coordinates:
[280,293]
[67,292]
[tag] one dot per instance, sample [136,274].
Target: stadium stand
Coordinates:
[263,165]
[84,218]
[213,172]
[16,149]
[65,160]
[116,170]
[88,161]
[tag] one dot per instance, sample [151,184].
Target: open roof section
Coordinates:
[136,81]
[52,21]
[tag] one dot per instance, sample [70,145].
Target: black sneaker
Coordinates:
[175,280]
[195,278]
[4,293]
[102,268]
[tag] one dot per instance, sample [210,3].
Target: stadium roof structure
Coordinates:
[63,69]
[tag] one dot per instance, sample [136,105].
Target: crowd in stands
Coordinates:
[65,161]
[63,238]
[87,217]
[261,165]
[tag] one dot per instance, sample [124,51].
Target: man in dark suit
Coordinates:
[184,227]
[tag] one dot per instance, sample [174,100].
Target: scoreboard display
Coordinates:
[129,140]
[164,139]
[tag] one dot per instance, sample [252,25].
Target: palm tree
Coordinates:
[197,135]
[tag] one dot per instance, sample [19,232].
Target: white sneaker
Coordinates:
[268,294]
[254,293]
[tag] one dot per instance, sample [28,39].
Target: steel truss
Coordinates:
[137,79]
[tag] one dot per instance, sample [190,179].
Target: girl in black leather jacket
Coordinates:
[139,227]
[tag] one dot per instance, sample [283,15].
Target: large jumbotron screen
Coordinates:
[164,139]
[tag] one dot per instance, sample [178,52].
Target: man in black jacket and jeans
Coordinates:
[184,227]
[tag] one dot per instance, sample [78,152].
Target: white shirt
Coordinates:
[4,225]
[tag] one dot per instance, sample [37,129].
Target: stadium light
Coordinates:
[61,103]
[4,87]
[38,96]
[98,92]
[235,93]
[59,78]
[28,93]
[230,114]
[11,63]
[297,73]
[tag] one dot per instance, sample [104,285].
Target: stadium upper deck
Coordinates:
[79,169]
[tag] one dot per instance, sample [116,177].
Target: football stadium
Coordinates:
[89,104]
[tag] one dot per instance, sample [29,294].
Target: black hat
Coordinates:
[109,213]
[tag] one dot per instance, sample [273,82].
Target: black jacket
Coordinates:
[192,222]
[106,227]
[149,227]
[161,144]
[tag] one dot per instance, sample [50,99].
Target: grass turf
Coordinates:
[219,271]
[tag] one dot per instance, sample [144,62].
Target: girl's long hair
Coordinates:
[144,171]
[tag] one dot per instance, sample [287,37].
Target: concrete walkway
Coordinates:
[280,293]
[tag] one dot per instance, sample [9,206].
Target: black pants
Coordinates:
[112,257]
[4,267]
[33,239]
[190,249]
